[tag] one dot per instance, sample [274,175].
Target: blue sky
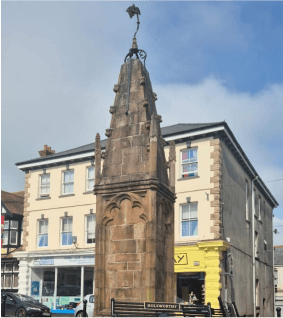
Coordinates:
[208,61]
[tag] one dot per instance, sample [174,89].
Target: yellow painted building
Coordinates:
[203,257]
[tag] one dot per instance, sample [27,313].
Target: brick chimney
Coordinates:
[46,151]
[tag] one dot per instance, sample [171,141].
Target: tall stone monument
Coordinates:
[134,253]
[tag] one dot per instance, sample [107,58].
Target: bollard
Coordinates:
[278,309]
[3,305]
[84,308]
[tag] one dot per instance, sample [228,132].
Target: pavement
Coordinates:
[62,315]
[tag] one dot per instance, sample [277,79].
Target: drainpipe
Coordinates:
[273,277]
[253,243]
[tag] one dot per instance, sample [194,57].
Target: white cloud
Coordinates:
[255,119]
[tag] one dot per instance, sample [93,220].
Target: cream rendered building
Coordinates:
[223,223]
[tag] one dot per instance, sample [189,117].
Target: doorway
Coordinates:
[191,282]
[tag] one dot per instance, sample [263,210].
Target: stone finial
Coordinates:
[154,125]
[154,95]
[97,159]
[97,144]
[172,151]
[116,88]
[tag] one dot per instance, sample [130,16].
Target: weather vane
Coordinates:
[133,10]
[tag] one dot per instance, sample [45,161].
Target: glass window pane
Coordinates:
[71,188]
[43,180]
[193,155]
[16,281]
[91,234]
[67,188]
[90,173]
[194,215]
[5,237]
[193,228]
[66,176]
[48,179]
[14,224]
[71,176]
[16,267]
[8,267]
[43,240]
[184,155]
[6,225]
[185,215]
[13,237]
[64,225]
[193,207]
[90,184]
[185,228]
[8,281]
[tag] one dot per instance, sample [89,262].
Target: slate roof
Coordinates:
[166,131]
[13,201]
[278,255]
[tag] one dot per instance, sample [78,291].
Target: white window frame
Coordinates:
[5,225]
[193,219]
[247,200]
[14,275]
[11,280]
[39,235]
[68,182]
[7,238]
[62,232]
[89,179]
[259,208]
[86,227]
[188,163]
[255,195]
[256,244]
[14,226]
[41,186]
[17,234]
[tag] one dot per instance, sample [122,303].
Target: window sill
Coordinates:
[66,195]
[187,178]
[43,198]
[88,192]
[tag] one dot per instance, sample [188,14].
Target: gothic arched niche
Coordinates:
[124,208]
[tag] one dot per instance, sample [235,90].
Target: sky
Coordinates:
[208,62]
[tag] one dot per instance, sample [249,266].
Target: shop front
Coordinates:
[198,271]
[59,282]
